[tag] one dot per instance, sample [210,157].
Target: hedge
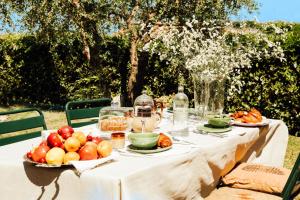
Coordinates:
[37,73]
[41,74]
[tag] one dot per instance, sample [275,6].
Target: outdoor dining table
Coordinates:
[187,171]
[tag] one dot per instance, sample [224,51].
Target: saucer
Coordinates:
[210,129]
[147,151]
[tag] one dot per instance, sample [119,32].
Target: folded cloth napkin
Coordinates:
[83,165]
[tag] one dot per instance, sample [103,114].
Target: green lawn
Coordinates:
[56,119]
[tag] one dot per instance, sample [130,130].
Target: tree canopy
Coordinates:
[90,21]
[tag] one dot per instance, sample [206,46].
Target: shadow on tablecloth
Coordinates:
[41,176]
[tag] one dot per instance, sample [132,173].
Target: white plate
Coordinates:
[264,122]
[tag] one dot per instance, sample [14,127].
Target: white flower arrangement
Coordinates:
[207,49]
[214,51]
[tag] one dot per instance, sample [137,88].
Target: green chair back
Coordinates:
[25,123]
[85,109]
[293,182]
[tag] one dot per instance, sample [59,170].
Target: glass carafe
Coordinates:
[180,113]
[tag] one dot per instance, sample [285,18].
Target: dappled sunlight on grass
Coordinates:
[55,119]
[292,152]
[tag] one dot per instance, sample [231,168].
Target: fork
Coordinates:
[178,139]
[220,135]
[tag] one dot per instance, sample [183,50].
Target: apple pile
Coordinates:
[65,145]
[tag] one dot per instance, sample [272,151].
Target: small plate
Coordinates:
[264,122]
[37,164]
[210,129]
[147,151]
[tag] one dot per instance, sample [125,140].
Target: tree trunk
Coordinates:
[134,69]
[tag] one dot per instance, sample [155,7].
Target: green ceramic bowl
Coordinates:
[219,121]
[143,140]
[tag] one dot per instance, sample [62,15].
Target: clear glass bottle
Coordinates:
[180,113]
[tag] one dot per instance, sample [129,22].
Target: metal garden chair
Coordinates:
[85,112]
[292,186]
[27,124]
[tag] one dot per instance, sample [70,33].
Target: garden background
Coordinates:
[34,73]
[65,55]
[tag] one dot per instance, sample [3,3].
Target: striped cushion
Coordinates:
[258,177]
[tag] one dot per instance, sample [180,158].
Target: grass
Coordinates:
[292,151]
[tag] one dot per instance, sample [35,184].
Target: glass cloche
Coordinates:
[143,105]
[144,119]
[115,118]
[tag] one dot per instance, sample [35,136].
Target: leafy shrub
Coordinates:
[272,85]
[37,73]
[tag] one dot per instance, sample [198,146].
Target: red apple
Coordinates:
[43,143]
[54,140]
[29,155]
[89,138]
[65,132]
[88,152]
[42,160]
[62,146]
[39,153]
[97,140]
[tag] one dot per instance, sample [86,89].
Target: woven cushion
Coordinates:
[258,177]
[227,193]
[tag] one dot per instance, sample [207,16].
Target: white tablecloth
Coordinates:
[190,175]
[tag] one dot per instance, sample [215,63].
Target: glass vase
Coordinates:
[216,96]
[208,94]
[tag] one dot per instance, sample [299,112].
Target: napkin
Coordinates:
[83,165]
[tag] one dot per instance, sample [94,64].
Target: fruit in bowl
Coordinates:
[54,140]
[81,137]
[88,152]
[104,148]
[219,121]
[55,156]
[65,132]
[56,151]
[39,153]
[143,140]
[72,144]
[70,156]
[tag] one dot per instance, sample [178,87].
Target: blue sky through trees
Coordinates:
[269,10]
[274,10]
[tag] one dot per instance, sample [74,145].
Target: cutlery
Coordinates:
[179,139]
[220,135]
[126,153]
